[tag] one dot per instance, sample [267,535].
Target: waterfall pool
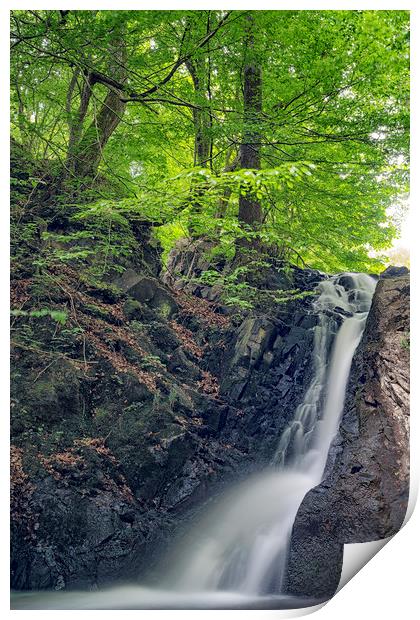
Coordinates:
[138,597]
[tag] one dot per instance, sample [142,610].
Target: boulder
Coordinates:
[254,336]
[46,396]
[132,310]
[394,272]
[147,291]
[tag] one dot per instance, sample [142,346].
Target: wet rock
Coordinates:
[81,536]
[307,321]
[346,281]
[284,385]
[365,492]
[214,414]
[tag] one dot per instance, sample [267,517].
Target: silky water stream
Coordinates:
[236,555]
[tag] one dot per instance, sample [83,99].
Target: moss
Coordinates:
[164,308]
[132,309]
[164,304]
[405,342]
[45,394]
[96,311]
[104,291]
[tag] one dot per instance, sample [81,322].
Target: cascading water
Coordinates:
[243,542]
[238,552]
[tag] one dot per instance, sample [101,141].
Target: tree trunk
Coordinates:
[201,116]
[90,148]
[76,124]
[85,148]
[199,68]
[230,165]
[250,212]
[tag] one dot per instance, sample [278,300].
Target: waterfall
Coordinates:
[242,543]
[237,553]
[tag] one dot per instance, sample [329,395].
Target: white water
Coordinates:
[242,544]
[236,556]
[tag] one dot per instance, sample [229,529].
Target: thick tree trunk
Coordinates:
[199,68]
[76,124]
[250,211]
[85,148]
[89,150]
[201,116]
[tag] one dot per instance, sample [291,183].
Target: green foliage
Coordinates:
[333,132]
[168,235]
[239,288]
[99,237]
[60,316]
[151,362]
[405,342]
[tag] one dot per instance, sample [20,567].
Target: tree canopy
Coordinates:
[285,127]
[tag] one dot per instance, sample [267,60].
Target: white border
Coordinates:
[387,586]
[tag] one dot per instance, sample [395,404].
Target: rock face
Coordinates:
[113,456]
[365,492]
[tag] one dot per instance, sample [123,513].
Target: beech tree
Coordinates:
[250,210]
[286,126]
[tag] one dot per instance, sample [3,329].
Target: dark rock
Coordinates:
[47,396]
[128,279]
[284,385]
[143,289]
[164,337]
[346,281]
[133,310]
[307,321]
[215,415]
[147,291]
[255,336]
[180,364]
[394,272]
[293,341]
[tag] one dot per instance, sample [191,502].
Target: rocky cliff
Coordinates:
[135,413]
[365,493]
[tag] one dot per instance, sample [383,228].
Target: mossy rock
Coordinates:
[133,310]
[150,447]
[96,311]
[148,291]
[163,337]
[49,398]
